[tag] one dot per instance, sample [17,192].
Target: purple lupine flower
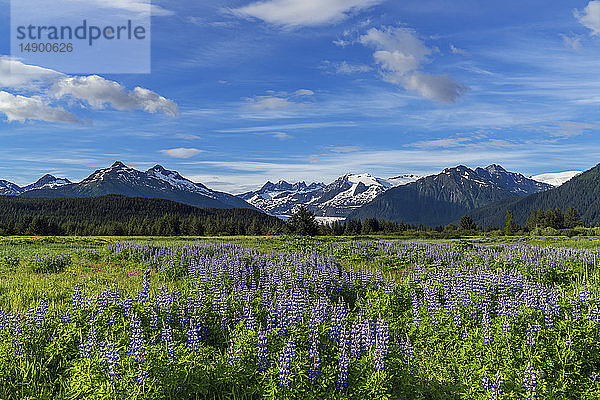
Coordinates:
[366,336]
[338,321]
[530,381]
[485,382]
[77,299]
[342,376]
[569,343]
[183,320]
[137,348]
[531,333]
[84,349]
[41,312]
[414,298]
[487,334]
[408,351]
[109,356]
[16,333]
[127,305]
[102,301]
[495,388]
[153,321]
[381,344]
[234,349]
[262,350]
[285,358]
[167,338]
[314,355]
[194,334]
[92,333]
[249,316]
[355,342]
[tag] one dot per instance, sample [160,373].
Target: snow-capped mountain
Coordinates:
[329,202]
[444,198]
[47,182]
[557,178]
[157,182]
[9,189]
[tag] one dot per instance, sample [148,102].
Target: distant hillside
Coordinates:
[441,199]
[581,192]
[116,214]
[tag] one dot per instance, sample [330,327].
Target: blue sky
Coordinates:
[243,91]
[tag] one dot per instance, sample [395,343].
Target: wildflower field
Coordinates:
[293,318]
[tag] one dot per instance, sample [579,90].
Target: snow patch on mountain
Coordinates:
[556,178]
[332,202]
[176,180]
[48,182]
[9,189]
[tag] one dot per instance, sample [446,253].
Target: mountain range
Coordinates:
[329,202]
[157,182]
[444,198]
[430,200]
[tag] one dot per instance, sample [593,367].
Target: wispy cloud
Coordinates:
[182,152]
[278,135]
[305,125]
[299,13]
[567,128]
[16,75]
[571,41]
[348,69]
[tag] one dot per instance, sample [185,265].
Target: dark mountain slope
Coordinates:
[581,192]
[444,198]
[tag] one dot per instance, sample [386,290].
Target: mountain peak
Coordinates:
[47,182]
[158,168]
[118,164]
[495,168]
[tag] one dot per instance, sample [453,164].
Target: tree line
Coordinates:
[116,215]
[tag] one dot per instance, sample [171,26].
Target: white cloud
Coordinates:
[98,92]
[182,152]
[21,108]
[456,50]
[304,92]
[16,75]
[187,136]
[297,13]
[136,6]
[400,55]
[435,87]
[402,40]
[348,69]
[590,16]
[269,103]
[278,135]
[307,125]
[564,129]
[344,149]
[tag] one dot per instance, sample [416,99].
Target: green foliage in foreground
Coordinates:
[41,358]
